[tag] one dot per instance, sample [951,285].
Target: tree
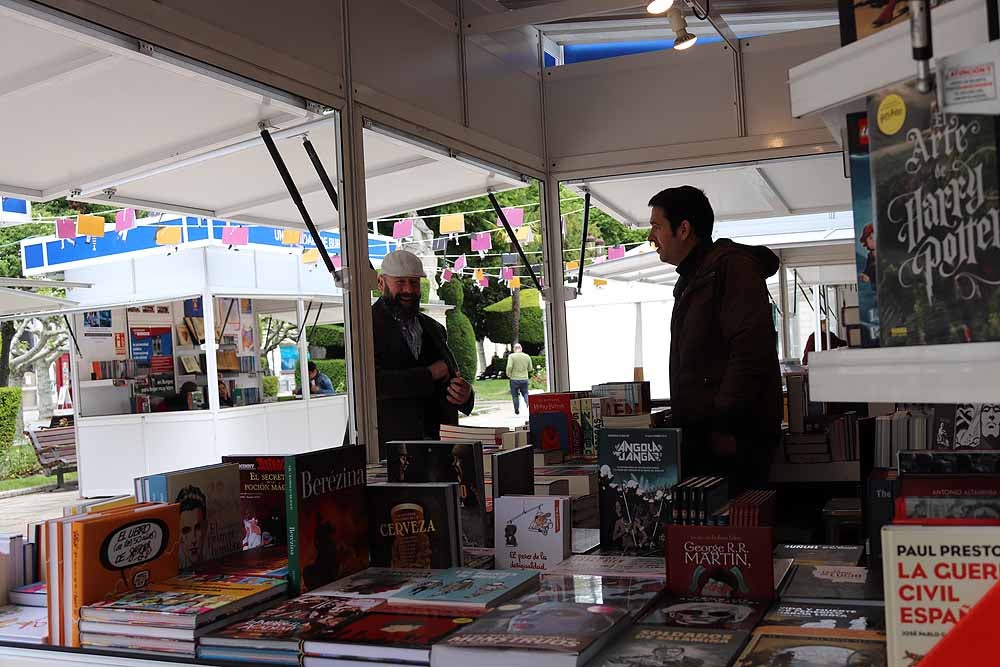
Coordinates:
[461,337]
[36,344]
[515,316]
[273,332]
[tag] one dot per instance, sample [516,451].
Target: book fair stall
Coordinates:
[245,167]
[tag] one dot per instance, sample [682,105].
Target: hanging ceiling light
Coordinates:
[659,6]
[682,38]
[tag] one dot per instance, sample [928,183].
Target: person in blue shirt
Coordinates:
[319,383]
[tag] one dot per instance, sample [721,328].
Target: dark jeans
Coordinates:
[519,388]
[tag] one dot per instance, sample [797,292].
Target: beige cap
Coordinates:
[402,264]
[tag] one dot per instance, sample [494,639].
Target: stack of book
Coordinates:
[807,448]
[699,501]
[13,568]
[274,636]
[493,437]
[115,369]
[756,507]
[611,565]
[572,480]
[167,618]
[24,625]
[903,430]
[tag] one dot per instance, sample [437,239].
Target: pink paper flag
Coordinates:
[515,216]
[337,262]
[506,273]
[601,259]
[461,263]
[124,220]
[482,241]
[402,229]
[617,252]
[66,228]
[446,275]
[236,235]
[484,282]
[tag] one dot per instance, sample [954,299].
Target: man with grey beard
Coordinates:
[418,384]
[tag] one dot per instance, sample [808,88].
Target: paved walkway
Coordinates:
[17,512]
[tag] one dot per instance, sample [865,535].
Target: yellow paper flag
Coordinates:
[572,266]
[514,283]
[90,225]
[598,282]
[524,234]
[478,274]
[291,237]
[452,223]
[168,235]
[310,256]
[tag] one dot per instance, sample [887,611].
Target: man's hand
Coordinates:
[723,444]
[459,391]
[439,371]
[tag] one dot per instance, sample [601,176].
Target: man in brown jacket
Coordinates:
[725,384]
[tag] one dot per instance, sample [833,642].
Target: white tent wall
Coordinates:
[670,109]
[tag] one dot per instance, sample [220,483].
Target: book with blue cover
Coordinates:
[466,588]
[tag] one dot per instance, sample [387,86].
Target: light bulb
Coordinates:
[659,6]
[685,40]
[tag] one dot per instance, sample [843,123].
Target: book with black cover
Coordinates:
[414,525]
[375,582]
[514,472]
[262,499]
[691,611]
[644,646]
[934,179]
[560,633]
[458,462]
[822,616]
[817,650]
[634,595]
[327,521]
[965,462]
[637,469]
[821,554]
[834,582]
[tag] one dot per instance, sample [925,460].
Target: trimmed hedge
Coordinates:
[335,369]
[461,335]
[499,323]
[270,383]
[10,404]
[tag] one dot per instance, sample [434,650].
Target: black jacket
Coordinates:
[411,406]
[724,372]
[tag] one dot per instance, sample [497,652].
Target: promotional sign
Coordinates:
[967,81]
[152,351]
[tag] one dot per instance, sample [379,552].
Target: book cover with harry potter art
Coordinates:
[637,468]
[937,222]
[327,522]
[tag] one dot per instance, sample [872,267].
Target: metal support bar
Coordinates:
[319,311]
[293,192]
[324,177]
[72,335]
[513,239]
[305,321]
[232,302]
[729,36]
[583,240]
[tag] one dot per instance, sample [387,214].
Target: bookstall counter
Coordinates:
[914,374]
[116,449]
[20,655]
[852,72]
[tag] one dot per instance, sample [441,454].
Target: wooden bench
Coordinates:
[56,450]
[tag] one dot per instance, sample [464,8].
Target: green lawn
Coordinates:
[492,390]
[34,480]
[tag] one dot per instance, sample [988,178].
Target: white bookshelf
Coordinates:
[844,77]
[960,373]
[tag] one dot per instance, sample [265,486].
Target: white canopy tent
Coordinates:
[16,302]
[193,143]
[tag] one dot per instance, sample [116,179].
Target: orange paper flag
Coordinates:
[573,265]
[310,256]
[452,223]
[168,235]
[291,236]
[90,225]
[514,283]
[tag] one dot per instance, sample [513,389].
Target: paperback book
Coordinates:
[613,565]
[414,525]
[767,649]
[821,554]
[834,582]
[695,647]
[558,633]
[700,612]
[821,616]
[513,472]
[934,575]
[637,470]
[550,420]
[24,625]
[634,595]
[465,588]
[383,635]
[376,582]
[457,462]
[262,499]
[259,562]
[864,228]
[209,499]
[532,532]
[326,515]
[720,561]
[934,180]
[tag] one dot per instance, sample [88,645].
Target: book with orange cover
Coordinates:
[118,551]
